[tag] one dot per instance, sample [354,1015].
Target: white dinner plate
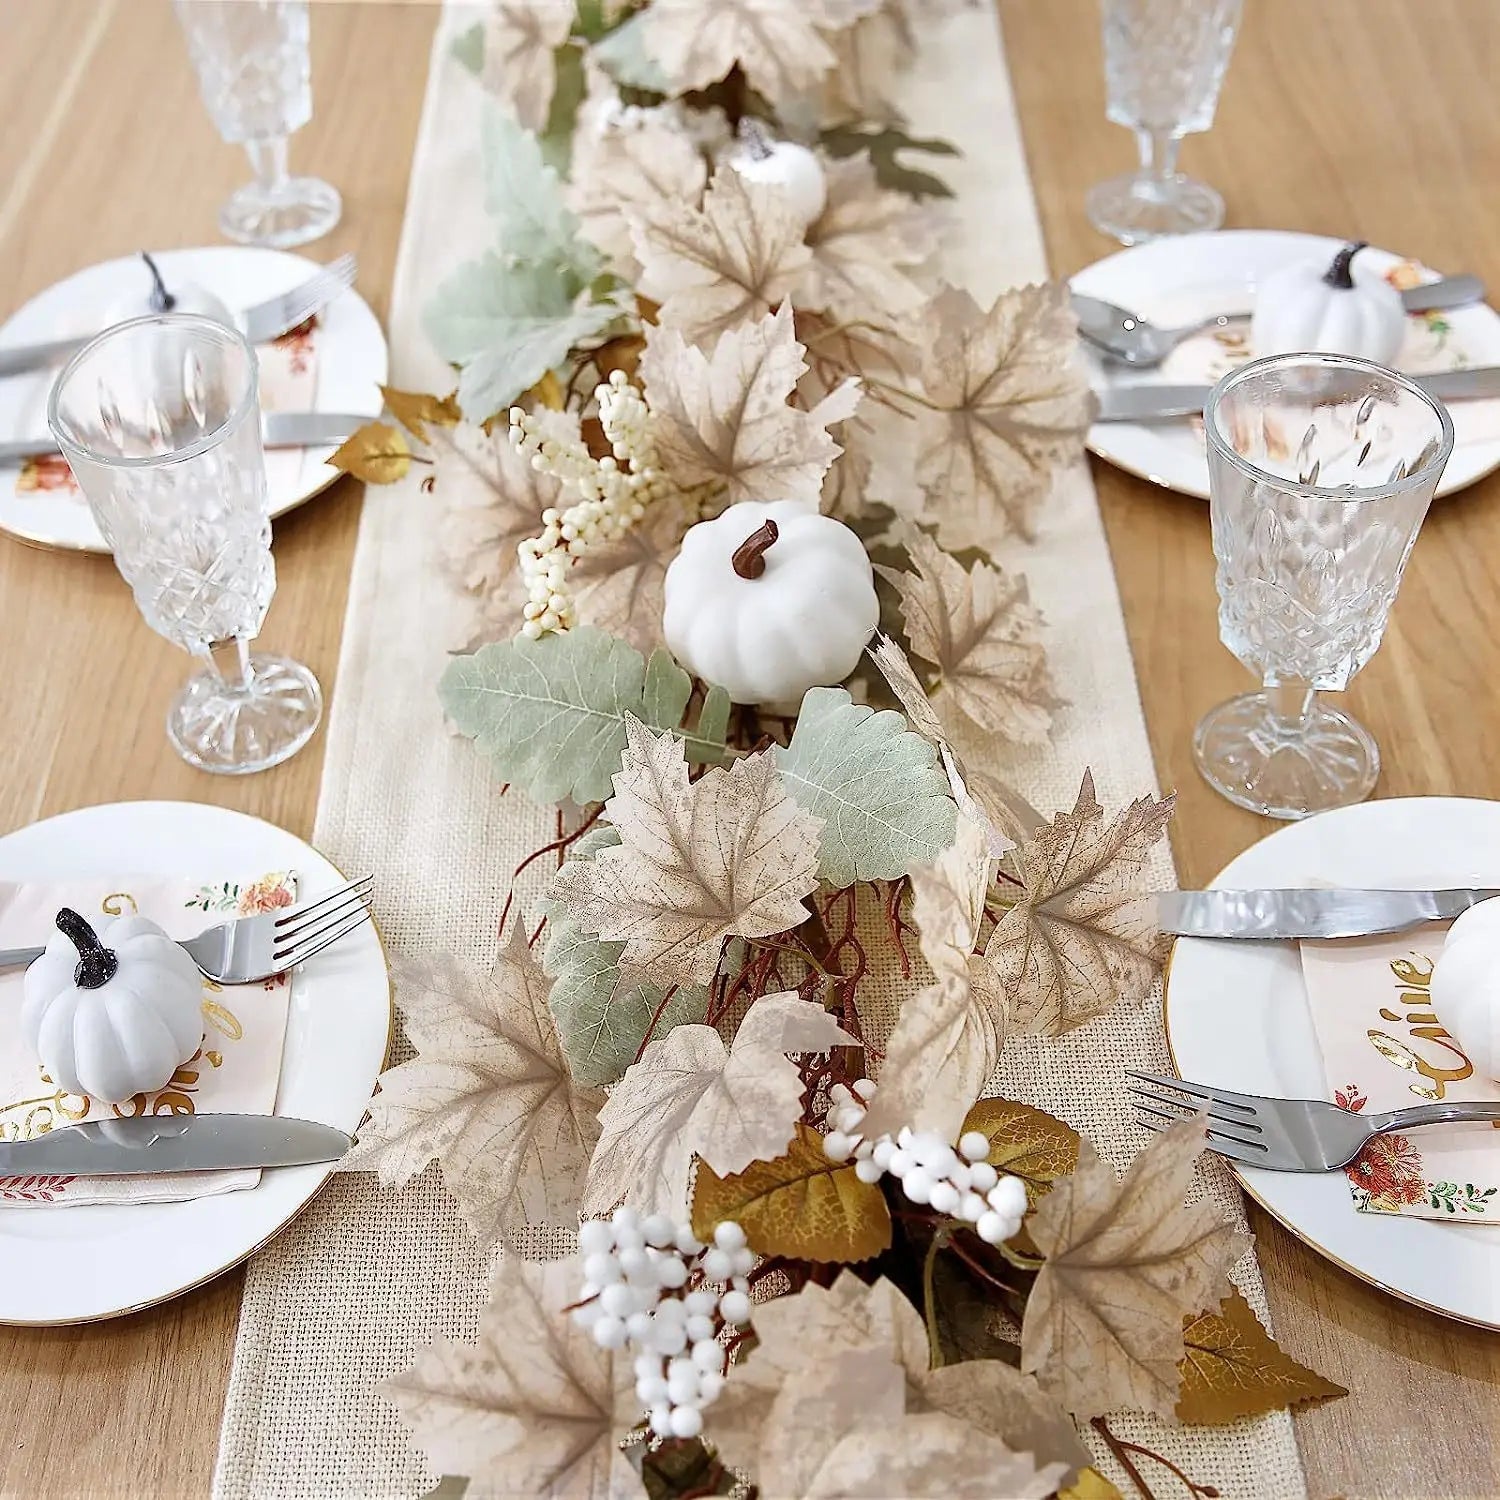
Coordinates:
[350,365]
[1237,1017]
[1175,281]
[78,1265]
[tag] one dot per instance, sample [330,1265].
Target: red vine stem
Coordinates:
[655,1017]
[982,1271]
[1122,1451]
[560,845]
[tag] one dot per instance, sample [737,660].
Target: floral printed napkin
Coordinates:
[288,382]
[1385,1048]
[236,1070]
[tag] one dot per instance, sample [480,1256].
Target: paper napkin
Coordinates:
[1385,1048]
[236,1070]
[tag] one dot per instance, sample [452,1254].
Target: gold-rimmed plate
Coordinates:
[1237,1017]
[83,1264]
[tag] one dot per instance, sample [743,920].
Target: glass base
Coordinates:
[299,209]
[1141,207]
[1245,753]
[233,731]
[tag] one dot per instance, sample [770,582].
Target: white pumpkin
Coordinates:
[784,165]
[770,599]
[1336,309]
[113,1014]
[1466,986]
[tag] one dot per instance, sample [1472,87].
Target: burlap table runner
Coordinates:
[362,1280]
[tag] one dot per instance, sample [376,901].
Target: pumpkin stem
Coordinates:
[1337,275]
[97,965]
[757,142]
[162,300]
[750,556]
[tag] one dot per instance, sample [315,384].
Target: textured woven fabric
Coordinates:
[365,1278]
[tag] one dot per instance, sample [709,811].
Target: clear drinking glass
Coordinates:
[159,419]
[255,75]
[1164,61]
[1321,469]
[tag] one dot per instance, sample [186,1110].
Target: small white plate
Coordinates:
[351,363]
[1175,281]
[1237,1017]
[78,1265]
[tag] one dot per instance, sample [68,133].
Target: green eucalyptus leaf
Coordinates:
[468,47]
[550,713]
[876,785]
[624,55]
[883,144]
[568,93]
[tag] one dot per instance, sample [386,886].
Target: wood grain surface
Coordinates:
[1374,117]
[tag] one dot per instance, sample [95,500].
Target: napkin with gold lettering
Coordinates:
[1384,1048]
[236,1069]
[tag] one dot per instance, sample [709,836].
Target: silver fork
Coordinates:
[248,949]
[278,315]
[1285,1135]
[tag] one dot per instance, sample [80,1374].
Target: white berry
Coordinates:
[687,1421]
[735,1307]
[974,1145]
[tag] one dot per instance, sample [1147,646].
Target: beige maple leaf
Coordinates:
[1084,936]
[799,1337]
[723,418]
[519,39]
[690,1095]
[782,46]
[619,585]
[728,262]
[861,85]
[624,165]
[534,1406]
[861,244]
[730,854]
[1008,405]
[488,1094]
[1126,1263]
[978,628]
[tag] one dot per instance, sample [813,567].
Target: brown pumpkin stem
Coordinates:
[162,300]
[756,142]
[750,556]
[97,965]
[1338,274]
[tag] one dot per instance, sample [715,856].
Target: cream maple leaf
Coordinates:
[519,39]
[860,244]
[534,1406]
[489,1095]
[1126,1263]
[730,854]
[619,585]
[1007,405]
[731,260]
[948,1036]
[801,1336]
[1084,936]
[860,87]
[978,628]
[781,46]
[690,1095]
[723,418]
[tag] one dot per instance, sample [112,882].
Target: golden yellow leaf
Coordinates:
[548,392]
[376,453]
[801,1205]
[414,409]
[622,353]
[1233,1368]
[1027,1143]
[1090,1485]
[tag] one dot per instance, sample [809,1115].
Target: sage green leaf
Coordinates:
[468,47]
[713,720]
[882,145]
[877,787]
[624,56]
[550,713]
[602,1021]
[568,94]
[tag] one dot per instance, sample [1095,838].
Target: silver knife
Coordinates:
[1272,915]
[1157,403]
[279,429]
[153,1144]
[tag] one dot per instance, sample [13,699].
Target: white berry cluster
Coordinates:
[613,492]
[647,1287]
[960,1183]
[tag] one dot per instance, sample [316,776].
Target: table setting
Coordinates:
[736,1025]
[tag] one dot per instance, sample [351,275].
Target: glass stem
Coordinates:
[1158,150]
[268,158]
[231,662]
[1290,703]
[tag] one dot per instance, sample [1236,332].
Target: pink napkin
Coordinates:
[236,1070]
[1384,1047]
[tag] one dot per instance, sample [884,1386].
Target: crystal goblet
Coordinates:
[255,74]
[159,419]
[1321,469]
[1164,61]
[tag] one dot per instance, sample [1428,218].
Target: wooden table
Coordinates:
[1338,115]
